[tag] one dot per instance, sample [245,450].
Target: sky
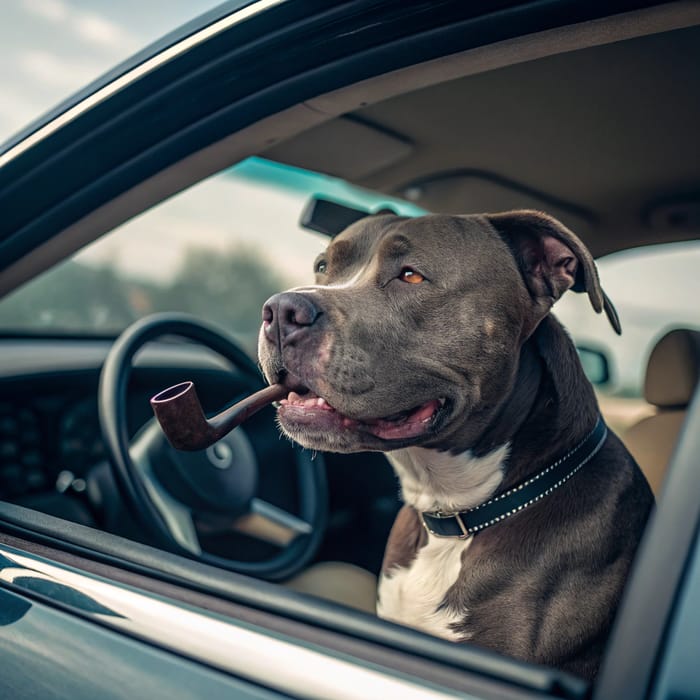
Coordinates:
[50,49]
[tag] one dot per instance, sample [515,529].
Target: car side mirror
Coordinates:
[595,365]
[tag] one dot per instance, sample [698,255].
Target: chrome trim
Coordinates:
[135,73]
[299,669]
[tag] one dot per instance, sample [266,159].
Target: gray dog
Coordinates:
[430,339]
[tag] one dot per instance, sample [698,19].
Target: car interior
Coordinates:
[671,376]
[595,124]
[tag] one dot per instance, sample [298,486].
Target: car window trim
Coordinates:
[38,664]
[236,648]
[105,548]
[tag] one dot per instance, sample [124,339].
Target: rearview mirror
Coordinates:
[331,218]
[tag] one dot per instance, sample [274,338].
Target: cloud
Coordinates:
[50,10]
[103,32]
[50,69]
[87,26]
[16,109]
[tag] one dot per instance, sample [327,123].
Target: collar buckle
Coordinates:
[436,524]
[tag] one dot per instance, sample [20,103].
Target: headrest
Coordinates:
[673,369]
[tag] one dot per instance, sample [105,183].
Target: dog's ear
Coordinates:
[552,259]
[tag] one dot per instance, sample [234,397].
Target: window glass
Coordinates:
[217,250]
[655,289]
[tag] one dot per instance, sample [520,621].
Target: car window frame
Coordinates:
[636,648]
[343,630]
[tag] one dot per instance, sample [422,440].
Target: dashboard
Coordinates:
[50,436]
[46,440]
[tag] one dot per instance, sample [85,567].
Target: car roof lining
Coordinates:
[493,139]
[299,121]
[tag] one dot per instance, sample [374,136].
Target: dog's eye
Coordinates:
[408,274]
[321,266]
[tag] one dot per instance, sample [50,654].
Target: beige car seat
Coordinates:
[340,582]
[672,374]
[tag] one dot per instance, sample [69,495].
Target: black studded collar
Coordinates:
[467,523]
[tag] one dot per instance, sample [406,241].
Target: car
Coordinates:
[147,218]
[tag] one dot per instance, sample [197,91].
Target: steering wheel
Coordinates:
[169,490]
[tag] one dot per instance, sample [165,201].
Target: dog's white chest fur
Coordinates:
[432,480]
[413,595]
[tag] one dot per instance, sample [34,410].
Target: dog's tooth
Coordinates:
[321,402]
[293,397]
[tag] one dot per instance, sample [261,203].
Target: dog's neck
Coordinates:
[439,481]
[537,417]
[563,411]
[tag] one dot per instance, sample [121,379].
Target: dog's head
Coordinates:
[411,334]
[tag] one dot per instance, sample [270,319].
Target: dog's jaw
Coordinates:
[314,423]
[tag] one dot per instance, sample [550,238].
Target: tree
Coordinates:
[228,289]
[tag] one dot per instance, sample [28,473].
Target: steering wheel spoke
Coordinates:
[177,517]
[280,517]
[271,524]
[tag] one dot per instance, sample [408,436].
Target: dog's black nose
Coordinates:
[286,313]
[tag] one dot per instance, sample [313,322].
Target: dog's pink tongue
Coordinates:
[426,411]
[414,424]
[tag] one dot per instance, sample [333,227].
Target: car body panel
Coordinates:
[301,668]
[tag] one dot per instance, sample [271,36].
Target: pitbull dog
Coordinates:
[430,339]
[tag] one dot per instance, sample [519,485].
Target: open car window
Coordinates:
[217,250]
